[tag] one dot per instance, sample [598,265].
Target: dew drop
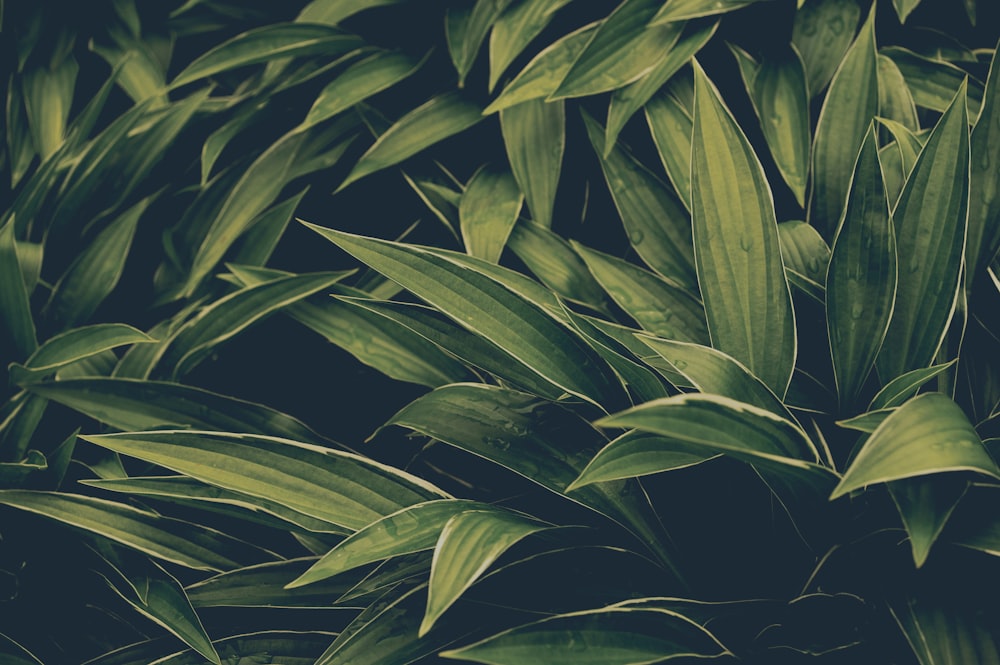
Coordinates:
[915,266]
[837,25]
[636,236]
[681,365]
[857,311]
[746,242]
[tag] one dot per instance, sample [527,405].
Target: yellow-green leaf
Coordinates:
[534,134]
[488,211]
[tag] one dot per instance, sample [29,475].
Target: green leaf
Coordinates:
[440,118]
[946,632]
[15,310]
[608,636]
[337,487]
[515,29]
[626,101]
[77,344]
[232,314]
[20,146]
[16,474]
[984,185]
[534,134]
[466,35]
[848,109]
[894,99]
[638,453]
[822,33]
[358,82]
[488,309]
[129,404]
[249,649]
[905,386]
[747,301]
[542,76]
[409,530]
[624,48]
[656,304]
[928,435]
[678,10]
[806,257]
[173,540]
[925,504]
[48,97]
[259,242]
[332,12]
[556,265]
[781,100]
[930,222]
[866,422]
[96,270]
[933,83]
[469,544]
[671,125]
[658,227]
[861,282]
[904,7]
[270,42]
[21,417]
[488,211]
[263,585]
[535,439]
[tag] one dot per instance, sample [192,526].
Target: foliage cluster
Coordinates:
[676,322]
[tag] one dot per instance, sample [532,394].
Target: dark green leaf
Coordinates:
[984,185]
[534,133]
[822,33]
[77,344]
[488,211]
[515,29]
[556,265]
[15,310]
[925,504]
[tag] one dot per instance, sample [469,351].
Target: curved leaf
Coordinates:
[671,125]
[747,301]
[905,386]
[534,134]
[515,29]
[263,585]
[488,211]
[553,261]
[984,184]
[822,33]
[15,310]
[678,10]
[77,344]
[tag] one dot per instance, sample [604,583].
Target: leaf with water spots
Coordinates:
[534,134]
[515,29]
[670,124]
[822,33]
[984,186]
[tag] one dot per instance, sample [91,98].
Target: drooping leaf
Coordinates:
[984,184]
[469,544]
[488,309]
[657,225]
[270,42]
[74,345]
[534,134]
[930,221]
[609,636]
[933,83]
[822,33]
[861,282]
[338,487]
[927,435]
[848,109]
[925,504]
[440,118]
[487,212]
[166,538]
[624,48]
[747,301]
[515,29]
[904,7]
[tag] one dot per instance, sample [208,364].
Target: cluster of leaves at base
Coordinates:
[705,330]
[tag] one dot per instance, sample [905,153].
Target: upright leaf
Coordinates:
[747,301]
[904,7]
[930,221]
[984,183]
[15,310]
[679,10]
[925,504]
[487,212]
[515,29]
[861,281]
[670,124]
[534,134]
[465,36]
[848,109]
[822,33]
[556,265]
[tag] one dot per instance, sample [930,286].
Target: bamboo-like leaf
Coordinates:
[637,453]
[259,242]
[894,99]
[337,487]
[48,96]
[263,585]
[806,257]
[515,29]
[358,82]
[747,301]
[657,225]
[542,76]
[861,282]
[332,12]
[781,100]
[626,101]
[173,540]
[129,404]
[535,439]
[946,632]
[656,304]
[933,83]
[925,504]
[904,7]
[228,316]
[20,146]
[905,386]
[95,272]
[609,636]
[867,422]
[679,10]
[434,121]
[624,48]
[465,36]
[488,211]
[277,646]
[534,134]
[270,42]
[412,529]
[712,371]
[19,419]
[930,221]
[822,33]
[984,185]
[15,310]
[469,544]
[671,125]
[928,435]
[556,265]
[848,109]
[76,344]
[486,308]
